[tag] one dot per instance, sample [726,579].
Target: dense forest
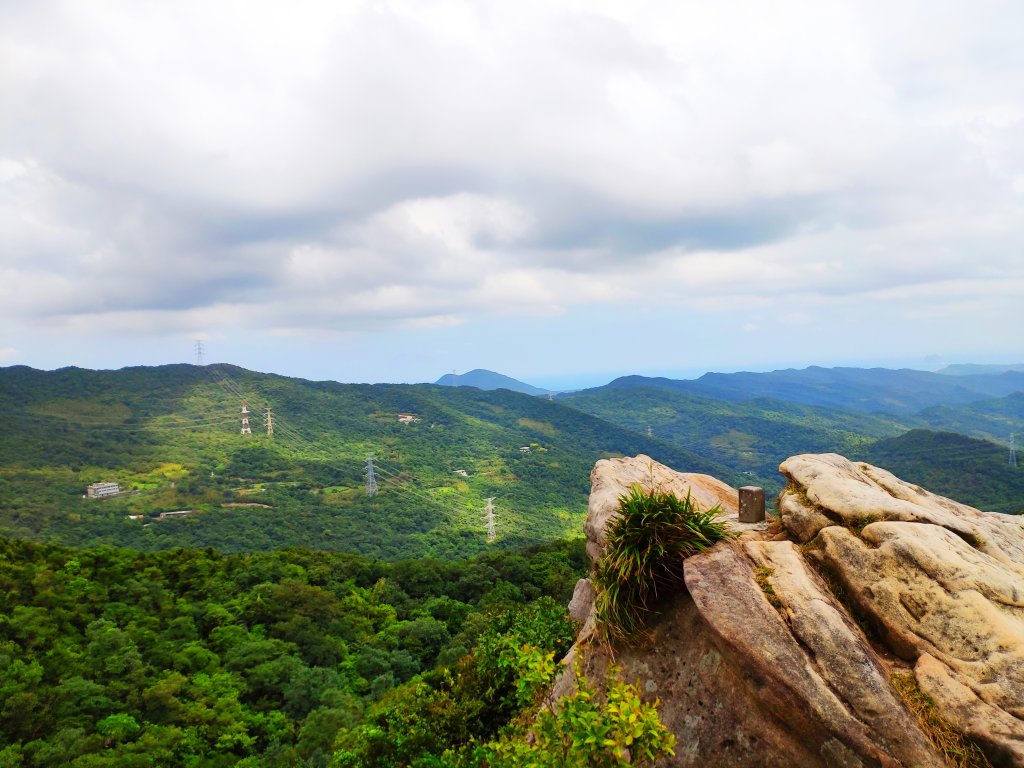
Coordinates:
[113,657]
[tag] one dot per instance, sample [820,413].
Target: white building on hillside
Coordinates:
[101,490]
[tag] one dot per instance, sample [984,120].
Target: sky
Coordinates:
[560,191]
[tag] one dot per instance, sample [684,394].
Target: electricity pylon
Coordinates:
[371,476]
[246,430]
[490,519]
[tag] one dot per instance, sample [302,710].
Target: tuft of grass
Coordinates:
[643,562]
[861,523]
[761,574]
[958,750]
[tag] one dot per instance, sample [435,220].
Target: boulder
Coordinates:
[937,580]
[783,647]
[582,603]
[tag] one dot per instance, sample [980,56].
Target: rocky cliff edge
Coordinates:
[868,623]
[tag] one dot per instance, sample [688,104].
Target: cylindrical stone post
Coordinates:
[751,504]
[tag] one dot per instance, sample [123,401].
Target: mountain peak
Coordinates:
[484,379]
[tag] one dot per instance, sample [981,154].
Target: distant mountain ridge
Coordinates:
[971,369]
[489,380]
[880,390]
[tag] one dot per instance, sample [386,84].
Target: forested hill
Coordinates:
[170,435]
[756,435]
[962,468]
[994,419]
[752,437]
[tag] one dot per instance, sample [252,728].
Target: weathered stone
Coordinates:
[762,664]
[934,577]
[705,699]
[930,592]
[783,678]
[800,518]
[582,603]
[997,732]
[858,494]
[839,652]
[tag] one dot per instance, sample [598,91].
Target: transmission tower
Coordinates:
[268,418]
[371,476]
[1013,450]
[199,351]
[245,419]
[490,519]
[650,431]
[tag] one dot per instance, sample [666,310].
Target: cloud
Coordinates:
[357,166]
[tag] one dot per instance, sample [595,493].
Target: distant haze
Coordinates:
[562,191]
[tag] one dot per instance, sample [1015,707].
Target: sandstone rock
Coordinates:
[935,578]
[785,679]
[801,518]
[705,699]
[761,663]
[990,726]
[856,494]
[582,602]
[840,654]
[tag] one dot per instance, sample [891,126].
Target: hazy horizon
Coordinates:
[576,381]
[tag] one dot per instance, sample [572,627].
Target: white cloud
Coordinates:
[350,166]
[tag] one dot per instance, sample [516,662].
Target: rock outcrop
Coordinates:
[783,648]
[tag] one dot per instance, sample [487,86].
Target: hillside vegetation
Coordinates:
[752,437]
[170,435]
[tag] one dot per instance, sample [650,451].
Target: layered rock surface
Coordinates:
[782,647]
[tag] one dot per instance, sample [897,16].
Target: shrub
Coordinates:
[583,730]
[643,561]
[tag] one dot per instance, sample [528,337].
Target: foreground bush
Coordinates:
[584,730]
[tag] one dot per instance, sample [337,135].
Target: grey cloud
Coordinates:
[172,179]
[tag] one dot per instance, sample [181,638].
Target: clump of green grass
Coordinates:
[761,574]
[861,523]
[643,561]
[958,750]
